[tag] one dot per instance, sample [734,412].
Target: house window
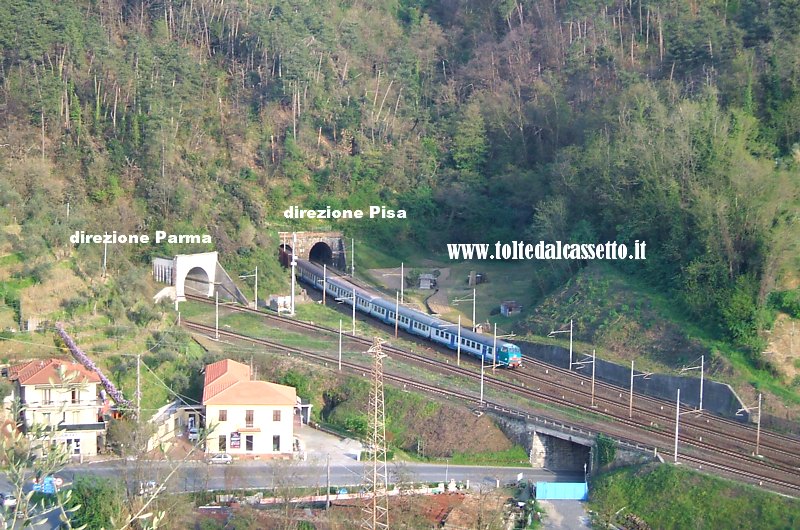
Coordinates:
[276,443]
[223,415]
[74,446]
[46,418]
[46,396]
[248,419]
[276,415]
[248,442]
[76,396]
[223,442]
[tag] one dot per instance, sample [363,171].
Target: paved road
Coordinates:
[193,476]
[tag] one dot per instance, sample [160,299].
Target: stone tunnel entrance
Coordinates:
[284,251]
[322,247]
[321,253]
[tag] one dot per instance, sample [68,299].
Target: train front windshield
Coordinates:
[514,356]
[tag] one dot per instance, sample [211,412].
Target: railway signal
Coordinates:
[570,341]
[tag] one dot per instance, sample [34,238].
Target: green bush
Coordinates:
[606,449]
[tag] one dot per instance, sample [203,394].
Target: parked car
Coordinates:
[221,458]
[8,500]
[194,434]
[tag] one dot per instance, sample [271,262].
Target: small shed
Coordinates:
[279,303]
[427,281]
[510,307]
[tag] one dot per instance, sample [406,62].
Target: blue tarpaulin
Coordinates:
[578,491]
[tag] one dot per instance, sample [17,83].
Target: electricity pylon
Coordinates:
[376,505]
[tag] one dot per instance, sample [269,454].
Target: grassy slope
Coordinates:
[625,319]
[669,497]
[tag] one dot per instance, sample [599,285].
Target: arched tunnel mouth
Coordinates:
[197,282]
[321,253]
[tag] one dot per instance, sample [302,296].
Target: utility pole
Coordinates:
[255,291]
[474,324]
[758,424]
[355,301]
[702,377]
[593,362]
[570,341]
[340,344]
[328,489]
[458,349]
[352,257]
[376,506]
[216,314]
[294,264]
[403,283]
[396,313]
[139,387]
[630,402]
[758,428]
[105,256]
[324,281]
[494,348]
[677,423]
[481,379]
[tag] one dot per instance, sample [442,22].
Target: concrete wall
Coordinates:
[717,397]
[549,452]
[546,452]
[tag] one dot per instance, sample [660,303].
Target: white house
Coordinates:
[63,395]
[246,417]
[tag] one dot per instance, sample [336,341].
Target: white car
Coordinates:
[8,500]
[194,434]
[221,458]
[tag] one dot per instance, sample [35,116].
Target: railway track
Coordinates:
[700,454]
[705,430]
[704,427]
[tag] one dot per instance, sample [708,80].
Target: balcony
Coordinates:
[99,426]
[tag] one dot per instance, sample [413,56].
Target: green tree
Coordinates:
[101,502]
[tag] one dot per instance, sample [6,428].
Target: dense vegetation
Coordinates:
[673,122]
[667,497]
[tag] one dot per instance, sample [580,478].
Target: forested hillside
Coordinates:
[676,122]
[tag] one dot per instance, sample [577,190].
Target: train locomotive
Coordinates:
[410,320]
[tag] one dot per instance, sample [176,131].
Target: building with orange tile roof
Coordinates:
[60,394]
[246,417]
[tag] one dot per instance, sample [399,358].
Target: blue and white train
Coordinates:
[410,320]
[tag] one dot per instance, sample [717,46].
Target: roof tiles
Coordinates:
[227,382]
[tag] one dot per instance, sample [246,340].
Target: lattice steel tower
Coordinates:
[376,500]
